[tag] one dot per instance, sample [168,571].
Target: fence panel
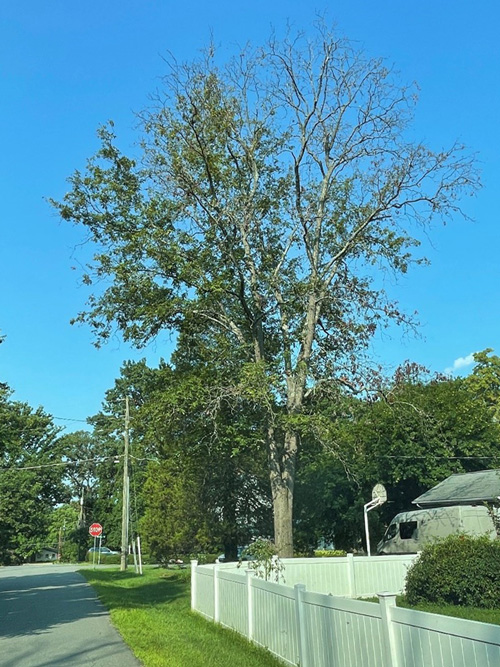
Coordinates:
[323,575]
[342,632]
[349,576]
[233,608]
[380,573]
[337,631]
[274,619]
[430,640]
[205,590]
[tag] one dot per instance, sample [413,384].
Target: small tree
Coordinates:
[271,191]
[264,560]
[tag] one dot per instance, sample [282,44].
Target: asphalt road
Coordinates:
[49,615]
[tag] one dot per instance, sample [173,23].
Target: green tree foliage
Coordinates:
[104,505]
[66,533]
[484,380]
[93,464]
[329,504]
[418,433]
[415,432]
[198,476]
[175,522]
[212,450]
[30,477]
[270,190]
[81,454]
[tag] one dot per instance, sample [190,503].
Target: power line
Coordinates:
[101,459]
[409,456]
[98,459]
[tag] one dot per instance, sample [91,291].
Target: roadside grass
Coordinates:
[152,613]
[469,613]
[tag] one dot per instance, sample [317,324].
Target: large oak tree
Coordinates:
[270,192]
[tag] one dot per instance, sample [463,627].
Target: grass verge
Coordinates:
[153,615]
[470,613]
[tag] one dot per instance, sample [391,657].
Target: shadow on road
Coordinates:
[51,616]
[34,603]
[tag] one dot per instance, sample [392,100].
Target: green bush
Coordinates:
[330,553]
[203,559]
[106,559]
[115,559]
[458,570]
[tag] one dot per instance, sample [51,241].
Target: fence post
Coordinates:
[216,593]
[249,576]
[194,564]
[351,580]
[301,628]
[387,602]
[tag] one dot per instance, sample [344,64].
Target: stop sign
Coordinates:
[95,529]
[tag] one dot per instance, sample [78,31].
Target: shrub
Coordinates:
[330,553]
[459,570]
[263,559]
[115,559]
[203,559]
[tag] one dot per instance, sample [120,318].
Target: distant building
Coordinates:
[46,555]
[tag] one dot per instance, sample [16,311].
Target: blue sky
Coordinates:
[66,67]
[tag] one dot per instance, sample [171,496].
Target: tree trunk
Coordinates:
[282,475]
[283,514]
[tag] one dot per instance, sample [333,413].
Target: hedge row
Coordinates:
[459,570]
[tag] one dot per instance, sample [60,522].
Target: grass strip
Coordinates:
[469,613]
[152,613]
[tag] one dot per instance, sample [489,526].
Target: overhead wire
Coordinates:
[98,459]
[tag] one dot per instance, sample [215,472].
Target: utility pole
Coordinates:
[81,516]
[59,545]
[125,498]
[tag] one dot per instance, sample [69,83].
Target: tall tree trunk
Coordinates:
[282,476]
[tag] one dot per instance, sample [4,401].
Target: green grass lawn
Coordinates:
[153,615]
[470,613]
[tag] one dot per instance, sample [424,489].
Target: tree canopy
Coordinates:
[484,380]
[271,192]
[30,477]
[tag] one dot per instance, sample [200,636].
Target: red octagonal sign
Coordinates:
[95,529]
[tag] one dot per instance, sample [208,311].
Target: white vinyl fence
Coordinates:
[315,629]
[353,577]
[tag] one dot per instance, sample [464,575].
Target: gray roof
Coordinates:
[465,489]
